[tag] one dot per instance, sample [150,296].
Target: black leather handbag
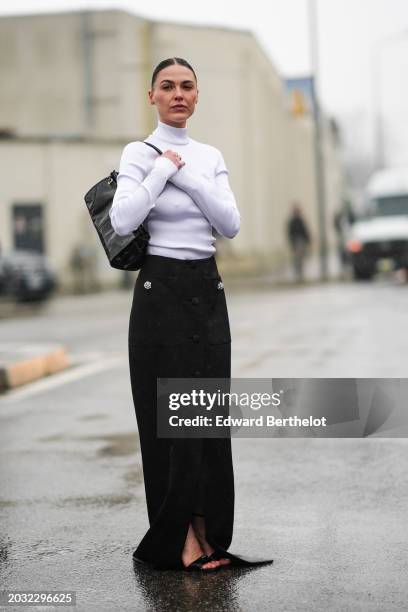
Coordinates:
[123,252]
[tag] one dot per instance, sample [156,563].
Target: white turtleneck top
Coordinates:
[179,207]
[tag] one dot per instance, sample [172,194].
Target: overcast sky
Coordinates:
[349,30]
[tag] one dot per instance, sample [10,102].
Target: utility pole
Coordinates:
[379,157]
[319,157]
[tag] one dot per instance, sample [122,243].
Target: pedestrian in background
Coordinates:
[299,240]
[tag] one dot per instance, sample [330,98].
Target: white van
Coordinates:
[381,233]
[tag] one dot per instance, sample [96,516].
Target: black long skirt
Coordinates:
[179,328]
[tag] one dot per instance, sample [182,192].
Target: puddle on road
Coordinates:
[54,438]
[118,445]
[133,477]
[6,503]
[96,500]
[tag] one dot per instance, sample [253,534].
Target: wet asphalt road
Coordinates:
[331,512]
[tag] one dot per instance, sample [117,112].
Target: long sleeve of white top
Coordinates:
[136,192]
[213,196]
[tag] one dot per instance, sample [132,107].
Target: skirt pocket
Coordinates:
[156,317]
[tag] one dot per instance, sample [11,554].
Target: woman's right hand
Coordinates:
[174,157]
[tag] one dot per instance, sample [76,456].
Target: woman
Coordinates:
[179,326]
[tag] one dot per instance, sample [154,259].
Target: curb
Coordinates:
[16,371]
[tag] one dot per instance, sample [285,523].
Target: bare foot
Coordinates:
[224,561]
[192,550]
[198,523]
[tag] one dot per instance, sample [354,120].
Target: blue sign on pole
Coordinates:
[301,93]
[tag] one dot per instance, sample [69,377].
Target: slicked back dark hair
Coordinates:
[170,62]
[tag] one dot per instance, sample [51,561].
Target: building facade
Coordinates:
[75,93]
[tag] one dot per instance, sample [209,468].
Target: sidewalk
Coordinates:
[285,276]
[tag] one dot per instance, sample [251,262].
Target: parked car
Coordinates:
[26,276]
[381,234]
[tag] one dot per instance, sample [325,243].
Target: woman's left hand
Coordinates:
[175,158]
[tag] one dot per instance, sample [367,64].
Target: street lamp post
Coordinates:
[319,159]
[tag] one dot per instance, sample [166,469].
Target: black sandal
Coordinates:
[197,565]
